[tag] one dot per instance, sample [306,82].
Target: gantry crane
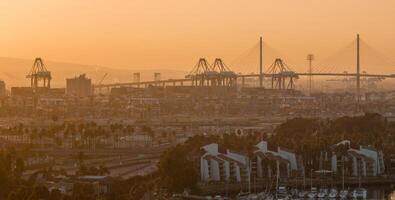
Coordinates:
[39,73]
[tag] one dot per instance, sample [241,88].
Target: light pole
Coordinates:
[310,58]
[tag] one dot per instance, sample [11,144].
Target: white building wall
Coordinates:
[238,175]
[238,157]
[259,167]
[211,149]
[373,155]
[364,168]
[214,170]
[209,169]
[262,146]
[334,163]
[291,157]
[354,166]
[381,167]
[227,170]
[242,159]
[204,170]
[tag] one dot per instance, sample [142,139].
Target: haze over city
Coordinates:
[197,99]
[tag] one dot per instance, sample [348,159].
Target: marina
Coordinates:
[283,193]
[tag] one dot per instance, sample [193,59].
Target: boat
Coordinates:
[269,197]
[360,193]
[242,196]
[294,192]
[313,193]
[253,197]
[323,192]
[343,194]
[262,195]
[282,193]
[302,194]
[333,193]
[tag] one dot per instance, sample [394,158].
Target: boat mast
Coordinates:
[311,178]
[343,171]
[304,179]
[360,171]
[278,176]
[249,177]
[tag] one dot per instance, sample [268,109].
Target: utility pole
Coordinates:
[260,63]
[310,58]
[358,74]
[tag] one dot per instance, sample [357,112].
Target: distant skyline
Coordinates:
[173,34]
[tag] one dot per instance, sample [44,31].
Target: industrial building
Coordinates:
[287,163]
[230,166]
[79,86]
[3,91]
[361,160]
[227,166]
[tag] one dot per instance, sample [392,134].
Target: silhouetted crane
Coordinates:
[39,73]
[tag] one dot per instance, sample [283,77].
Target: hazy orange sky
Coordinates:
[173,34]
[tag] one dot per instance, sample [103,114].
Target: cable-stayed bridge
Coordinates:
[350,63]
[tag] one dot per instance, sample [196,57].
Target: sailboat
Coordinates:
[281,191]
[323,192]
[313,190]
[294,192]
[269,196]
[343,194]
[360,192]
[332,193]
[242,195]
[302,193]
[313,193]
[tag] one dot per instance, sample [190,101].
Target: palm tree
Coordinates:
[103,170]
[34,134]
[80,158]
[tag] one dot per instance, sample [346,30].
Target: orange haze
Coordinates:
[173,34]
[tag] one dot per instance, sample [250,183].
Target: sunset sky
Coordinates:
[173,34]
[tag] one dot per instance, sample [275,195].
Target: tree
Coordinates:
[103,170]
[80,157]
[11,168]
[176,171]
[55,194]
[83,191]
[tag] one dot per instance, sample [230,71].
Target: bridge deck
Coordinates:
[241,76]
